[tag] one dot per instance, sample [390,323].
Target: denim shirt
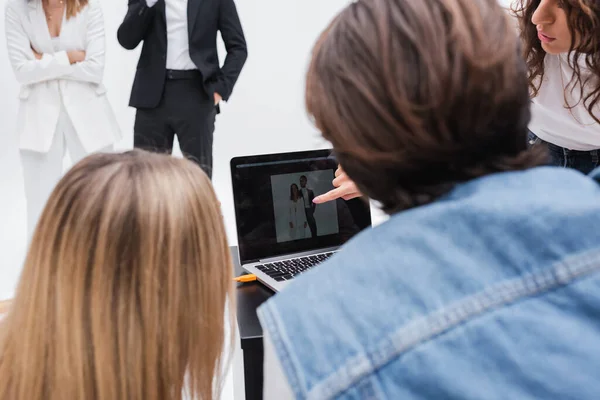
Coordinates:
[492,292]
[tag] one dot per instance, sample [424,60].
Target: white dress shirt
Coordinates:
[306,198]
[178,48]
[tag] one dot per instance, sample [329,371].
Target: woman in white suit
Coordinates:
[56,48]
[297,214]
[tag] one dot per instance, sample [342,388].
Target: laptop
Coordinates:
[281,232]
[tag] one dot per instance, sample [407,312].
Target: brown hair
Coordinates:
[292,192]
[417,96]
[124,287]
[73,7]
[583,20]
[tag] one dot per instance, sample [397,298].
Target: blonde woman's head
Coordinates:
[124,289]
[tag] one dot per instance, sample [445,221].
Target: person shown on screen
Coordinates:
[308,195]
[179,82]
[297,214]
[57,51]
[125,287]
[484,283]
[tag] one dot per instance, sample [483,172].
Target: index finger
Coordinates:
[329,196]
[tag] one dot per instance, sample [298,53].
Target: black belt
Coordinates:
[183,74]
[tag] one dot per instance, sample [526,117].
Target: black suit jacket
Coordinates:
[205,18]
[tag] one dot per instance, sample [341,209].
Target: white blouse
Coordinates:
[551,120]
[56,44]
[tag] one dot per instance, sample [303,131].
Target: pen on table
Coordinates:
[245,278]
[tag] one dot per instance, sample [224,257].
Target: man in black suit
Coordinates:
[308,195]
[179,82]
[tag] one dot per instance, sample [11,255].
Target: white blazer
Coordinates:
[48,82]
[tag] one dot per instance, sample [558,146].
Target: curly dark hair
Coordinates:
[583,18]
[418,96]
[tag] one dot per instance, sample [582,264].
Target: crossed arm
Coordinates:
[31,66]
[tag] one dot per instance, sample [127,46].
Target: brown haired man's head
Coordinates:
[303,181]
[417,96]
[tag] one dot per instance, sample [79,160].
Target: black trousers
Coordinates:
[583,161]
[185,110]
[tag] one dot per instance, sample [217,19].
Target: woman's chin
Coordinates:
[551,48]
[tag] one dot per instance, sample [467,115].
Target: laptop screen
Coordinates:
[274,210]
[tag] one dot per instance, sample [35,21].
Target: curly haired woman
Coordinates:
[561,44]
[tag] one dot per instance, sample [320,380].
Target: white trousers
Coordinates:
[42,171]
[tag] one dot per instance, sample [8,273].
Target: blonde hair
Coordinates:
[124,288]
[74,7]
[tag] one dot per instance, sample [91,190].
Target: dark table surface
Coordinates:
[249,297]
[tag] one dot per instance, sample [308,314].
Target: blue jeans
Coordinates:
[583,161]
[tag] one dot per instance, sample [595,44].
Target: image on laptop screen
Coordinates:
[275,213]
[296,216]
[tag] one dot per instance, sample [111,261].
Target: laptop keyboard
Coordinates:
[288,269]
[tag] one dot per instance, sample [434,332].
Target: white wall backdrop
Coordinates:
[265,114]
